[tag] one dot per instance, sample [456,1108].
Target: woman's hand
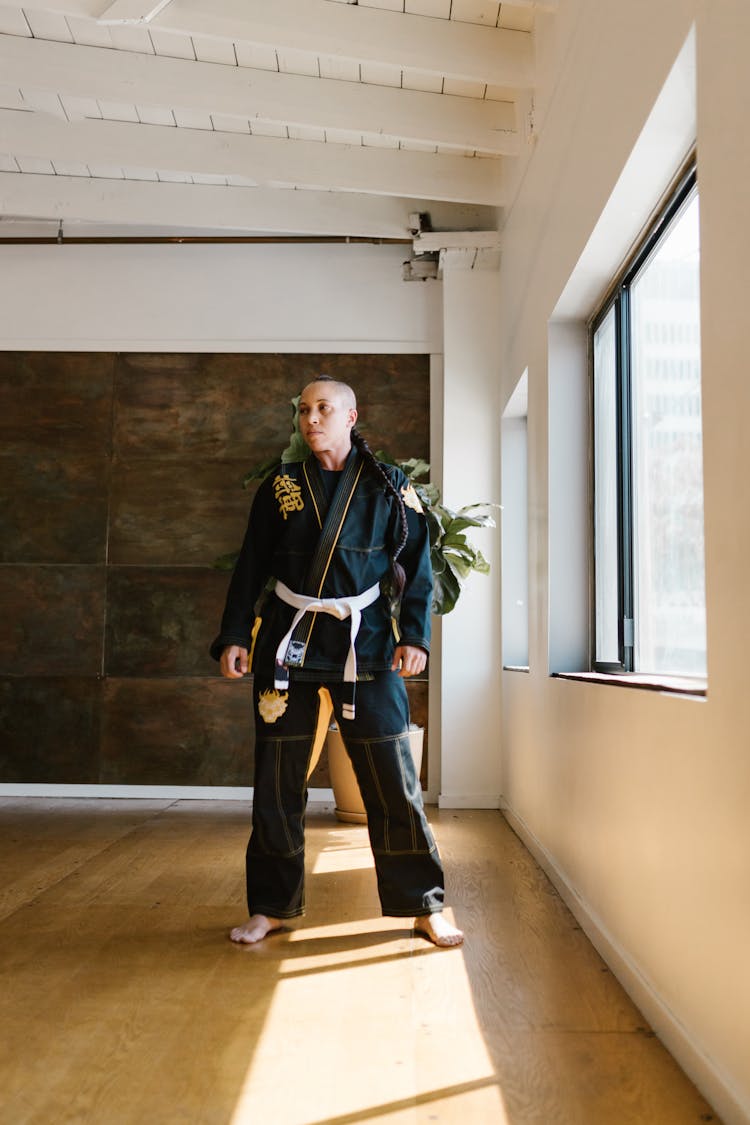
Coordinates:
[408,660]
[233,662]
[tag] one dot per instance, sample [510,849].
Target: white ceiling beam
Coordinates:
[432,242]
[256,95]
[467,51]
[344,31]
[267,161]
[132,11]
[81,9]
[539,5]
[189,206]
[468,258]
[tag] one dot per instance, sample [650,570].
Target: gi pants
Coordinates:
[407,864]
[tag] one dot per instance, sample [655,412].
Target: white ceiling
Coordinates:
[306,117]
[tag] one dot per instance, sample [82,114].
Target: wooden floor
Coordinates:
[123,1001]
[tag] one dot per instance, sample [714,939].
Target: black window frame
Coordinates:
[618,299]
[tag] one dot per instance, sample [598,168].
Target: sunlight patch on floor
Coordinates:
[342,859]
[363,1027]
[347,945]
[355,928]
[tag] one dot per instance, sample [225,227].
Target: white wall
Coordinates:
[568,497]
[637,802]
[231,297]
[471,655]
[514,542]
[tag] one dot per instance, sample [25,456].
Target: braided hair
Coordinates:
[398,575]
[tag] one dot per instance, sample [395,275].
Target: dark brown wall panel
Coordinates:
[184,731]
[177,407]
[55,448]
[175,513]
[160,620]
[49,730]
[54,508]
[393,397]
[53,618]
[238,406]
[55,401]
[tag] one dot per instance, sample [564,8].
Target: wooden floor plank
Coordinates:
[123,1002]
[38,852]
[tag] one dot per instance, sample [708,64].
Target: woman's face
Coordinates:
[326,417]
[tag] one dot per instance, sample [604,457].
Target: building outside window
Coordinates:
[650,614]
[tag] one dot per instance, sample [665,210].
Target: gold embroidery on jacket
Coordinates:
[411,499]
[288,495]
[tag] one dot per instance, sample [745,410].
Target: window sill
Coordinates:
[691,686]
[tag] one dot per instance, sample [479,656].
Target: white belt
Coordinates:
[341,608]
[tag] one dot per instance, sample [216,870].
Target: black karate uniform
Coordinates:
[327,535]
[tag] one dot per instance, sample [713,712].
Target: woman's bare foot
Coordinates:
[255,930]
[438,930]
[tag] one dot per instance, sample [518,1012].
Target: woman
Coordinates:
[330,599]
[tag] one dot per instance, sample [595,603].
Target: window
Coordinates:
[649,584]
[515,559]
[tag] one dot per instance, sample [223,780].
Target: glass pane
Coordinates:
[670,611]
[605,490]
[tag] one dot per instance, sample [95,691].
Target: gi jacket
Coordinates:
[327,547]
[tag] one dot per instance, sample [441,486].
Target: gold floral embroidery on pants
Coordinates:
[272,704]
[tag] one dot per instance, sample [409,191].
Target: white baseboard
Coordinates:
[468,801]
[149,792]
[715,1086]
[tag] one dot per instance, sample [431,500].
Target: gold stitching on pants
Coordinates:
[406,851]
[279,805]
[403,786]
[383,803]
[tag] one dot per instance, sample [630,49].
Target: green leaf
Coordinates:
[481,566]
[260,472]
[226,562]
[429,494]
[461,522]
[414,467]
[441,514]
[434,528]
[438,563]
[454,538]
[445,591]
[297,450]
[483,504]
[459,564]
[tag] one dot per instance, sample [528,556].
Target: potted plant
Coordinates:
[453,559]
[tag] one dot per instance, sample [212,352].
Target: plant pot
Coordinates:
[349,805]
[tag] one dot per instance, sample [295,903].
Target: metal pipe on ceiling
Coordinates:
[78,240]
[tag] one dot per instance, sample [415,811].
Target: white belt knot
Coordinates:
[341,608]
